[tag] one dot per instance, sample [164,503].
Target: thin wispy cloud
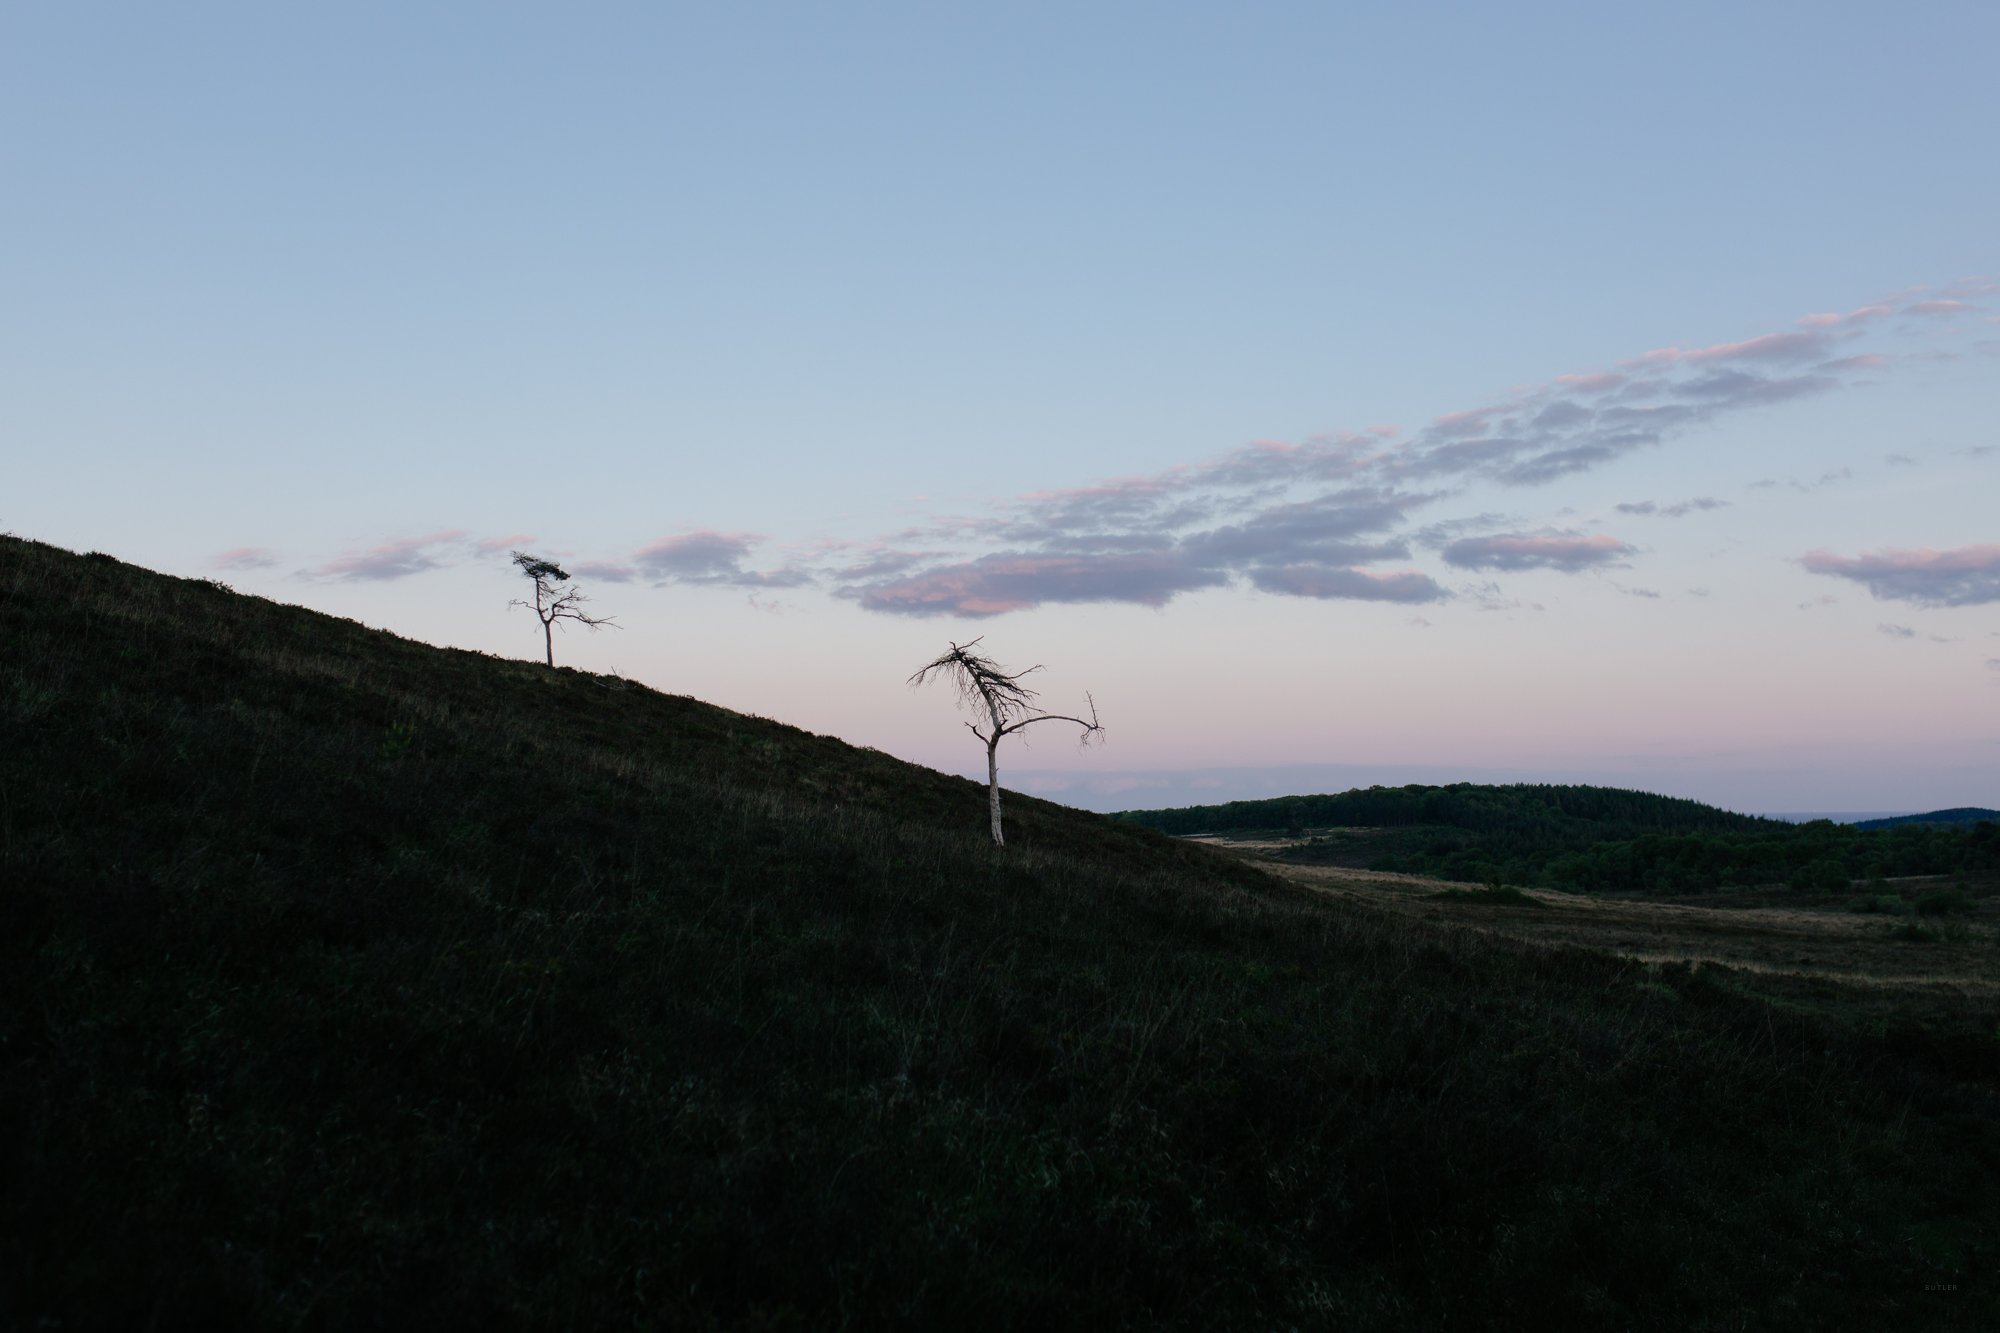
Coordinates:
[1515,551]
[994,584]
[605,571]
[244,558]
[1896,631]
[1819,483]
[1335,516]
[1940,307]
[1812,345]
[1333,581]
[395,559]
[1678,509]
[1490,596]
[1317,518]
[1966,576]
[713,558]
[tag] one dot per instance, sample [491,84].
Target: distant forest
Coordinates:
[1964,814]
[1585,839]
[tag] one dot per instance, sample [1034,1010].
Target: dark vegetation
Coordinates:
[1964,814]
[347,982]
[1589,839]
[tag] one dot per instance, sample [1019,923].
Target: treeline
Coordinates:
[1585,839]
[1541,807]
[1820,855]
[1964,814]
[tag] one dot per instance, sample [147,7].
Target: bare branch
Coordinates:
[1093,730]
[983,684]
[565,607]
[552,605]
[980,680]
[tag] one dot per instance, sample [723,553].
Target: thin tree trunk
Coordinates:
[993,788]
[549,640]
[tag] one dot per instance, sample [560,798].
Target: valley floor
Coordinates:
[1821,942]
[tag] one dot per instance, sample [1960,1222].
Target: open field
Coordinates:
[1828,943]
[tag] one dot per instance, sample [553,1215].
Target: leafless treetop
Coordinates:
[983,684]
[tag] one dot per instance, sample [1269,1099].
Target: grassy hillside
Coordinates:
[346,981]
[1588,839]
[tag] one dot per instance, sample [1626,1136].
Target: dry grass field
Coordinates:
[1811,938]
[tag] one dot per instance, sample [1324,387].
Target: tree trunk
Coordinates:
[993,788]
[549,640]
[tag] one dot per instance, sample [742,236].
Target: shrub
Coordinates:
[1945,902]
[1497,895]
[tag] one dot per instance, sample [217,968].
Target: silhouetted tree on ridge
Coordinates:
[1008,704]
[553,603]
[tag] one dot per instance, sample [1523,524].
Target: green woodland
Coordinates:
[1590,839]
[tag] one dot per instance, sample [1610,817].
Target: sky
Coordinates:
[1337,394]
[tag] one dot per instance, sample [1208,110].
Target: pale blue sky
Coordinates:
[734,304]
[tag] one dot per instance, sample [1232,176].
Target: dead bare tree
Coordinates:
[553,603]
[1008,704]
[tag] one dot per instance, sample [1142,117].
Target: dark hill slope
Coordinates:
[1964,814]
[347,982]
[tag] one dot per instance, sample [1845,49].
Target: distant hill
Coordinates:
[347,982]
[1463,805]
[1582,838]
[1964,814]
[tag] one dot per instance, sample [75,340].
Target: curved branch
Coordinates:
[1091,729]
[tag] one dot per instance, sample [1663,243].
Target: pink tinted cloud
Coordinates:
[1283,516]
[1940,307]
[393,559]
[1598,383]
[1327,582]
[706,548]
[1140,486]
[995,584]
[1768,347]
[711,557]
[488,545]
[1963,576]
[1472,421]
[243,558]
[1833,320]
[1567,553]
